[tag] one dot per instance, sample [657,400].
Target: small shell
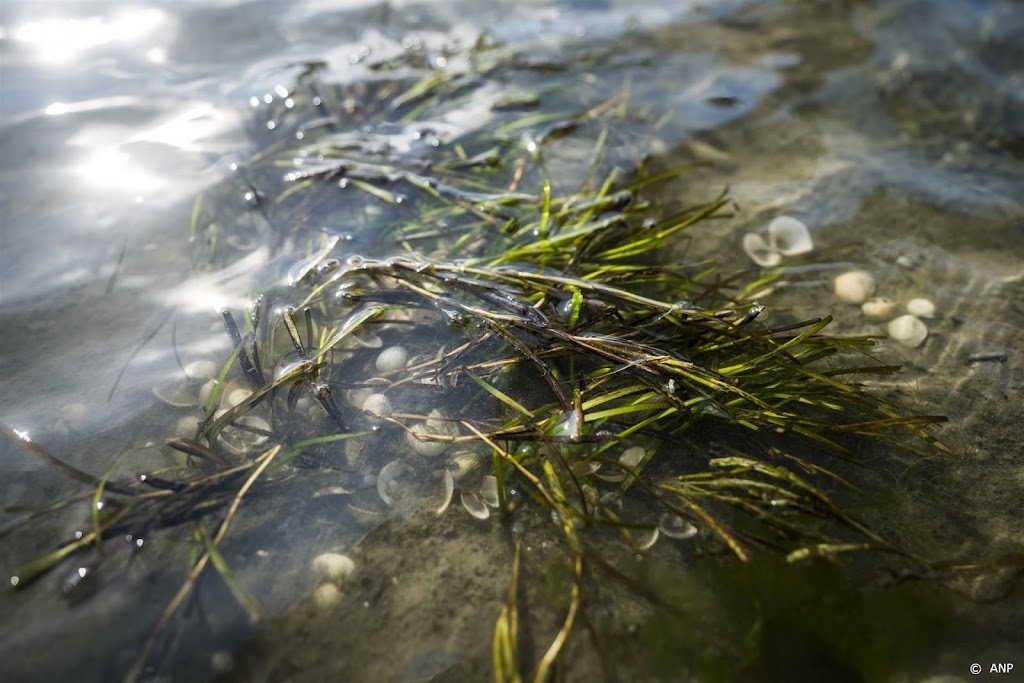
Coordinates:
[759,251]
[463,463]
[489,490]
[179,394]
[922,308]
[584,469]
[326,596]
[239,441]
[357,397]
[674,526]
[235,395]
[878,309]
[789,236]
[333,566]
[391,359]
[439,422]
[475,505]
[201,369]
[854,287]
[448,482]
[206,391]
[631,457]
[365,340]
[187,427]
[908,330]
[387,480]
[417,440]
[648,543]
[378,405]
[609,476]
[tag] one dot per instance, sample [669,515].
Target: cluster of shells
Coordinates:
[632,458]
[904,324]
[788,236]
[426,464]
[332,571]
[785,236]
[197,387]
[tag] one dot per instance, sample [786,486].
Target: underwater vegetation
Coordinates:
[454,315]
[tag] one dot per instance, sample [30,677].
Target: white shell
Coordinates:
[631,457]
[364,340]
[201,369]
[474,505]
[854,287]
[387,480]
[878,309]
[378,405]
[489,490]
[240,441]
[178,394]
[449,490]
[391,358]
[326,596]
[759,251]
[648,543]
[674,526]
[235,396]
[922,308]
[908,330]
[424,446]
[789,236]
[206,391]
[333,566]
[187,427]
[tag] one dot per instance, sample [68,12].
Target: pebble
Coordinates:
[908,330]
[854,287]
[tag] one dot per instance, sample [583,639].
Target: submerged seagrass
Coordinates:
[546,341]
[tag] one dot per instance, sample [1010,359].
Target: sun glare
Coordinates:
[62,40]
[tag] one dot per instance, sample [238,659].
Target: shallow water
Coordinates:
[895,130]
